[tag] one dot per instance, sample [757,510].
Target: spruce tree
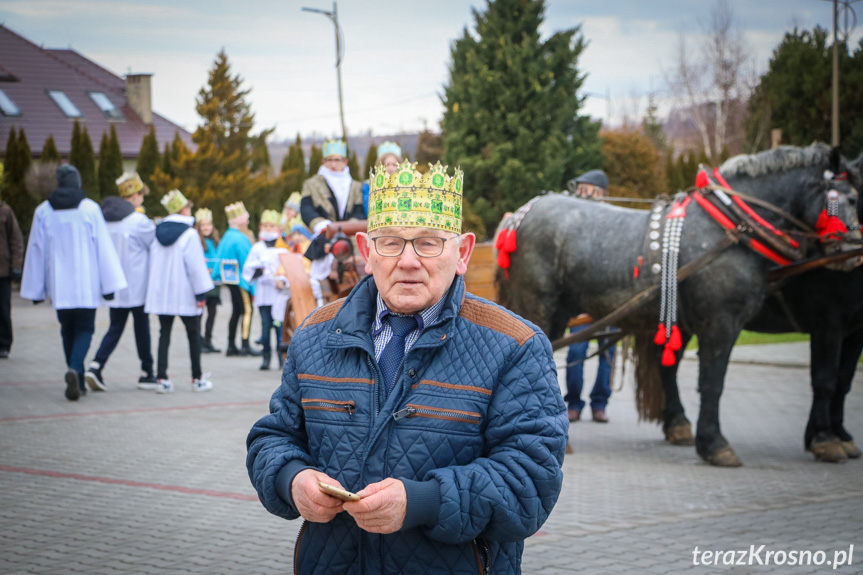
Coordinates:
[49,151]
[353,165]
[16,163]
[110,164]
[83,158]
[316,158]
[429,148]
[293,171]
[371,160]
[148,157]
[511,118]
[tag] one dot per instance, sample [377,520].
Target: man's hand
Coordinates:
[382,507]
[313,504]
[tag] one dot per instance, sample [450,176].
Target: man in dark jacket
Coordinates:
[440,410]
[11,266]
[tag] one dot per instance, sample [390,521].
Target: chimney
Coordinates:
[138,96]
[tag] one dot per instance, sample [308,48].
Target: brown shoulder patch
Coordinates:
[489,316]
[325,313]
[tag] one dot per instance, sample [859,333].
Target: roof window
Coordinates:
[106,105]
[64,103]
[7,106]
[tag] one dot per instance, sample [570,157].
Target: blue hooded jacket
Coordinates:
[475,427]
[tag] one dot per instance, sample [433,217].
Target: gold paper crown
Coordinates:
[174,201]
[204,215]
[236,210]
[271,217]
[408,198]
[129,183]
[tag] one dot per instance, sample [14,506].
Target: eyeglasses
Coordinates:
[424,247]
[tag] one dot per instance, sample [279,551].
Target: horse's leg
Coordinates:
[675,425]
[852,347]
[714,350]
[825,345]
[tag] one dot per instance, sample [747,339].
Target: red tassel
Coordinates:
[668,358]
[829,226]
[503,260]
[498,242]
[702,180]
[659,338]
[509,242]
[635,273]
[674,341]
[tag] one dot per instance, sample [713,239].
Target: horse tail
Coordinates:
[649,393]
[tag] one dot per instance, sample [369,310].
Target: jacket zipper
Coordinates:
[483,556]
[329,405]
[437,413]
[297,546]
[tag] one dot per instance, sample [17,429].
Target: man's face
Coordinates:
[589,191]
[409,283]
[335,163]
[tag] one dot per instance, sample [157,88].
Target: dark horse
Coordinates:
[578,256]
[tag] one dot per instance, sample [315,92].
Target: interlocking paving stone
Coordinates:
[132,482]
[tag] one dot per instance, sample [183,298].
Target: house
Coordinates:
[44,91]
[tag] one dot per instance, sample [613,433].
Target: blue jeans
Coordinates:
[575,375]
[77,327]
[141,322]
[267,325]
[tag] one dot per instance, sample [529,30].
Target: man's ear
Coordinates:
[465,249]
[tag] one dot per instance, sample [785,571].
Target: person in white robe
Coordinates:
[132,233]
[261,268]
[71,260]
[178,285]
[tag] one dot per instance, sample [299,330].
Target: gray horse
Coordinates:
[579,256]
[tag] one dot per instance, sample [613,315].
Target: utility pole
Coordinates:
[334,18]
[849,23]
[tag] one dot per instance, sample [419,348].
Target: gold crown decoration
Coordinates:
[271,217]
[408,198]
[204,215]
[129,183]
[236,210]
[174,201]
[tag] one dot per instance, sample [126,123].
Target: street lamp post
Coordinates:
[334,17]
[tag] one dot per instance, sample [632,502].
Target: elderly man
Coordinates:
[440,410]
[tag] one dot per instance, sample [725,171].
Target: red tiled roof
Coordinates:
[27,72]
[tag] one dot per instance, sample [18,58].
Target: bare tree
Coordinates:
[710,90]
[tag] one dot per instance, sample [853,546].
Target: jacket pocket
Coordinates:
[414,410]
[312,404]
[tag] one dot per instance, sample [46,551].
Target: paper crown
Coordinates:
[174,201]
[294,201]
[271,217]
[408,198]
[390,148]
[129,183]
[236,210]
[204,215]
[335,148]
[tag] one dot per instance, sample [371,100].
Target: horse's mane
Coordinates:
[781,159]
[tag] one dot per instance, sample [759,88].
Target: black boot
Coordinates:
[265,363]
[247,350]
[205,347]
[213,348]
[232,350]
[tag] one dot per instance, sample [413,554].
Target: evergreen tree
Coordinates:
[15,165]
[652,126]
[260,152]
[316,158]
[371,160]
[353,165]
[511,116]
[167,164]
[148,157]
[82,157]
[429,148]
[635,168]
[673,173]
[110,164]
[293,171]
[49,151]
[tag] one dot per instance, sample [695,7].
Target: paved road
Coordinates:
[132,482]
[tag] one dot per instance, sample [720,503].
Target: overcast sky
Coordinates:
[396,53]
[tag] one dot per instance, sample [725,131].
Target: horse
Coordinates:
[579,256]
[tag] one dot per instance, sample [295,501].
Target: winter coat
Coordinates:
[11,243]
[70,255]
[234,245]
[132,234]
[319,203]
[178,270]
[475,427]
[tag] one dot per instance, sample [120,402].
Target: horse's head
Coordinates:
[838,220]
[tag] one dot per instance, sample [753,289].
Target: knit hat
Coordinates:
[594,178]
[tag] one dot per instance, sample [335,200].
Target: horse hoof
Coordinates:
[851,450]
[680,435]
[830,450]
[725,457]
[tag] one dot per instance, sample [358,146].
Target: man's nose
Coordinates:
[409,257]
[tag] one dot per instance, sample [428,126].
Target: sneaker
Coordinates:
[165,386]
[148,382]
[4,354]
[202,384]
[93,377]
[73,392]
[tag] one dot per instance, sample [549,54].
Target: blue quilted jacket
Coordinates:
[475,427]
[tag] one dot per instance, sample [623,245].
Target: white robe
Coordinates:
[132,238]
[71,258]
[177,272]
[261,256]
